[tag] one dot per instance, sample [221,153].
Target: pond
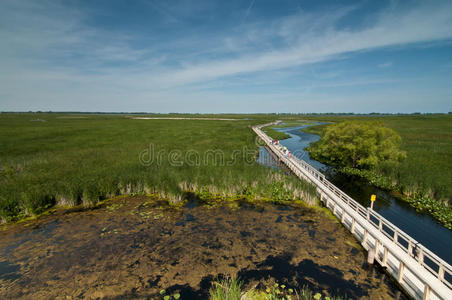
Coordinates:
[132,247]
[422,227]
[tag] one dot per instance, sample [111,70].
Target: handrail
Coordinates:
[424,257]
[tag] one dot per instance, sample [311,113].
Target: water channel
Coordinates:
[422,227]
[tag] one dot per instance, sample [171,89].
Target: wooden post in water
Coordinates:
[371,256]
[385,258]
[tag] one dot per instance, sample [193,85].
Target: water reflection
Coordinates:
[267,159]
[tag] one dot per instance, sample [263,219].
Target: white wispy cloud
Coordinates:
[320,42]
[53,51]
[385,64]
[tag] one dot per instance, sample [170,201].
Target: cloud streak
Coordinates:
[57,52]
[392,29]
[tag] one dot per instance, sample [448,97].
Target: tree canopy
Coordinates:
[358,144]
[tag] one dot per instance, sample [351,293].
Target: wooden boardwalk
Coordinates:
[420,272]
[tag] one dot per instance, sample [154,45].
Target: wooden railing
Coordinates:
[418,270]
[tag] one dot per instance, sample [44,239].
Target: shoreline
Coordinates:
[423,203]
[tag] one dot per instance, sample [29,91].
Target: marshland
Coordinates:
[126,206]
[149,149]
[67,161]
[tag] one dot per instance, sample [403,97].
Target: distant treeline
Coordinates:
[206,114]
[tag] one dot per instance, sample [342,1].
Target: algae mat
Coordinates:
[134,247]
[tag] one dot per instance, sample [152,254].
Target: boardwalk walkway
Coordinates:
[420,272]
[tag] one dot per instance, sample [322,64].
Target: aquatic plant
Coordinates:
[229,288]
[73,162]
[163,295]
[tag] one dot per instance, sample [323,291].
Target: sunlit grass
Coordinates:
[274,134]
[73,161]
[226,289]
[232,288]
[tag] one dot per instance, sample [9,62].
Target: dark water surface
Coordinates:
[133,247]
[422,227]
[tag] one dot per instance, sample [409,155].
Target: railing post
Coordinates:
[426,292]
[441,273]
[396,236]
[364,238]
[343,216]
[377,244]
[384,262]
[352,229]
[420,256]
[400,273]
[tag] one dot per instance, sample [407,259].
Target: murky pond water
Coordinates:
[421,227]
[133,247]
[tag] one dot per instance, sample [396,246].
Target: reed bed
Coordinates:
[81,161]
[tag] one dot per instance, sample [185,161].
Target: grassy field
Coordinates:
[49,159]
[315,129]
[425,177]
[69,159]
[274,134]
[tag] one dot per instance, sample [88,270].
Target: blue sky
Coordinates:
[226,56]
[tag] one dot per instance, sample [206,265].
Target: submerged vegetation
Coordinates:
[424,178]
[156,245]
[80,161]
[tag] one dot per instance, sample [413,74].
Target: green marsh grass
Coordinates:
[231,288]
[81,161]
[274,134]
[226,289]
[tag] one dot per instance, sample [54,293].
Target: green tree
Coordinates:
[357,144]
